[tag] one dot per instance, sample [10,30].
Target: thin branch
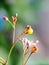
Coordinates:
[10,23]
[28,58]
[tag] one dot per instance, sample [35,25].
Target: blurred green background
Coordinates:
[34,13]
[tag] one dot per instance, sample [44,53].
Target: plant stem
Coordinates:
[26,51]
[23,59]
[10,23]
[21,35]
[13,32]
[2,61]
[23,55]
[28,58]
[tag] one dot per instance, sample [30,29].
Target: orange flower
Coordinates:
[34,49]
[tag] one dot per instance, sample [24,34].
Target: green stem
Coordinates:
[21,35]
[13,33]
[2,61]
[23,59]
[26,51]
[23,55]
[10,23]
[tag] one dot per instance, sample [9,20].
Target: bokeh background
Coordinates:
[34,13]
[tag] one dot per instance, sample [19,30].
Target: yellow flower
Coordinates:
[29,30]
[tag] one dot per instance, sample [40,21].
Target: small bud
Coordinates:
[16,14]
[5,18]
[26,42]
[28,26]
[15,17]
[34,49]
[29,30]
[35,42]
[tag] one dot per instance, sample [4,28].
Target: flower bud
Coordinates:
[35,42]
[28,26]
[5,18]
[26,42]
[16,14]
[29,30]
[34,49]
[15,17]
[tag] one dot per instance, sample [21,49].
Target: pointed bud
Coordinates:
[5,18]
